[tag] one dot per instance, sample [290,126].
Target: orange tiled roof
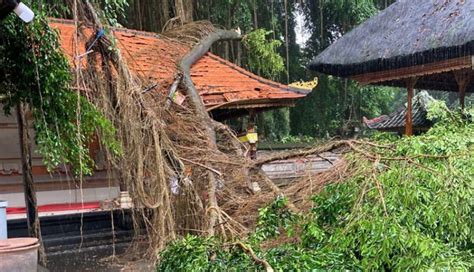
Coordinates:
[153,57]
[222,82]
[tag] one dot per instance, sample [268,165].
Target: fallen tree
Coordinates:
[162,145]
[211,36]
[391,204]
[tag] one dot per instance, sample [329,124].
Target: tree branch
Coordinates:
[187,61]
[300,153]
[255,258]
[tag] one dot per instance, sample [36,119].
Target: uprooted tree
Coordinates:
[161,141]
[393,204]
[147,141]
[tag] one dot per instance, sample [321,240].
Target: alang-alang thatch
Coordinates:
[407,33]
[422,44]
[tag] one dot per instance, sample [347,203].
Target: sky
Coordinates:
[302,33]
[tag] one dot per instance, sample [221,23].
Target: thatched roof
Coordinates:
[396,121]
[407,33]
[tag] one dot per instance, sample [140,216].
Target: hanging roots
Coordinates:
[166,157]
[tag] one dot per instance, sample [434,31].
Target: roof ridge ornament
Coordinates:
[308,85]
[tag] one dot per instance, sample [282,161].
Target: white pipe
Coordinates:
[3,220]
[24,12]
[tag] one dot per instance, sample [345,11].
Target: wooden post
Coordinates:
[409,116]
[463,78]
[34,228]
[251,129]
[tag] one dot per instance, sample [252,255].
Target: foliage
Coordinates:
[272,220]
[262,53]
[420,219]
[352,12]
[407,207]
[203,254]
[112,10]
[38,74]
[298,139]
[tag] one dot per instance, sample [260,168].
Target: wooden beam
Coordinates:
[411,82]
[415,71]
[252,104]
[463,78]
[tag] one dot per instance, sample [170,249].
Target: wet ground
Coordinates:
[95,259]
[85,243]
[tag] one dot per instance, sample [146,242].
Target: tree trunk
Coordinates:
[139,14]
[165,13]
[34,228]
[239,54]
[184,10]
[185,66]
[321,22]
[255,17]
[272,11]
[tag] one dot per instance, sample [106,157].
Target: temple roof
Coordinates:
[397,120]
[406,34]
[155,59]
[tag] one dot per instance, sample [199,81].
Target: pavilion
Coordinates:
[395,122]
[414,44]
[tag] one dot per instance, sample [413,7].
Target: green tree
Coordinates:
[336,106]
[36,73]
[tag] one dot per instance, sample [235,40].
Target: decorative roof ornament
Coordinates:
[309,85]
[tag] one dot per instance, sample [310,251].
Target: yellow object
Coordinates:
[305,85]
[178,98]
[251,138]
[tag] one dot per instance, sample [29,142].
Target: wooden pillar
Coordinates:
[463,78]
[411,82]
[251,129]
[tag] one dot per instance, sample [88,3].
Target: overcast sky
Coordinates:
[302,34]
